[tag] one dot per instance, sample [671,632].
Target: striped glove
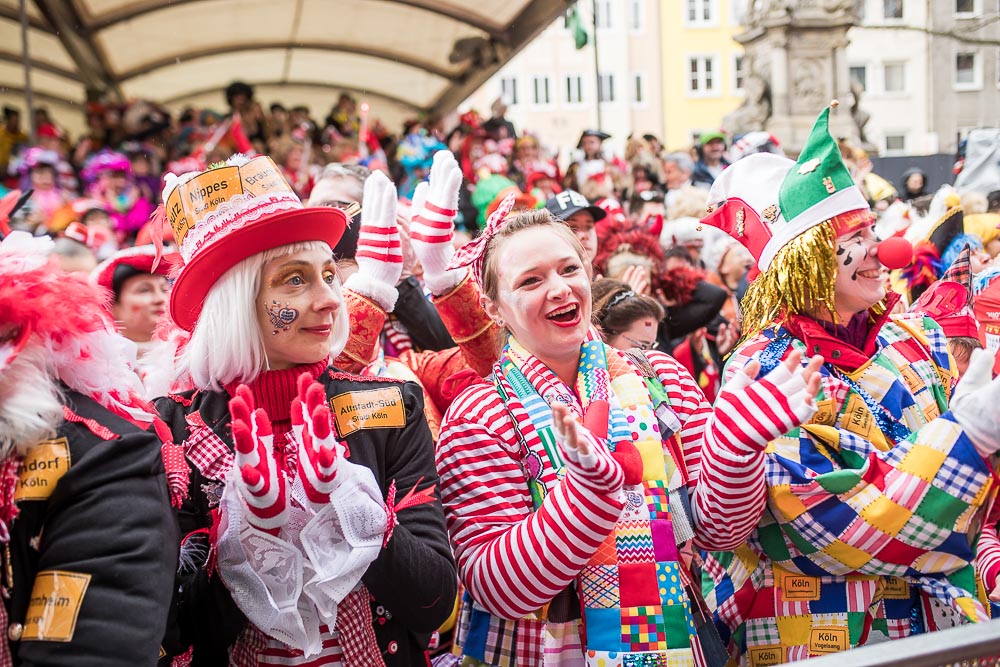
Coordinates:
[755,412]
[317,445]
[433,225]
[260,483]
[379,255]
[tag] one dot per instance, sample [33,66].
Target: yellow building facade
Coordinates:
[702,66]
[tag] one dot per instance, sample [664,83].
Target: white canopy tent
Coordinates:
[403,57]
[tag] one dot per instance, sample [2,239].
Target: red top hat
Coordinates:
[225,215]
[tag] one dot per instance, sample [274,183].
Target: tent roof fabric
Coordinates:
[405,56]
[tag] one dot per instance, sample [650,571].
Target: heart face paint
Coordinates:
[281,316]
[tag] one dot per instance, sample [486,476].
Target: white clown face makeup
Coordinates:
[544,295]
[860,282]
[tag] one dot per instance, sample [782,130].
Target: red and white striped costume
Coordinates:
[514,560]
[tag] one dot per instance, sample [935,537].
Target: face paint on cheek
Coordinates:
[853,254]
[281,317]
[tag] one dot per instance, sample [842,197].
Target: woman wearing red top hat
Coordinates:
[297,549]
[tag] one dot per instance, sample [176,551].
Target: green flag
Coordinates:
[575,26]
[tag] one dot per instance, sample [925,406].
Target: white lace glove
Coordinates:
[379,255]
[975,402]
[755,412]
[433,226]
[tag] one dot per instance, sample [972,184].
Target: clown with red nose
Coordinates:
[869,510]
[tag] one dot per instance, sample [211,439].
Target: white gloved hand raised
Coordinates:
[435,205]
[379,255]
[755,412]
[975,402]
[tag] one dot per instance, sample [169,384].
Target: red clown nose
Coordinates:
[895,252]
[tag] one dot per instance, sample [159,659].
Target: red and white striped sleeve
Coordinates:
[988,551]
[513,560]
[726,477]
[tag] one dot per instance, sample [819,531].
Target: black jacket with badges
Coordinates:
[413,580]
[92,579]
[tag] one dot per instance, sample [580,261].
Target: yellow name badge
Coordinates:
[54,606]
[857,417]
[41,469]
[828,640]
[896,589]
[373,408]
[765,656]
[799,588]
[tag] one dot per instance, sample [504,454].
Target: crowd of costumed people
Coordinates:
[280,391]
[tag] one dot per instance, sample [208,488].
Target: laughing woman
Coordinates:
[566,479]
[293,551]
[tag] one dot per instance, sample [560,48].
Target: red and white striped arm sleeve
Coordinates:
[988,551]
[732,493]
[722,487]
[512,560]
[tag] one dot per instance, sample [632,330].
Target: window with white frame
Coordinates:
[861,6]
[702,75]
[638,88]
[636,15]
[859,75]
[966,8]
[892,10]
[699,12]
[968,71]
[540,85]
[508,90]
[606,88]
[739,73]
[895,142]
[603,14]
[574,89]
[894,77]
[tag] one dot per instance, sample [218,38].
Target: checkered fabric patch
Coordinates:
[657,498]
[208,453]
[643,629]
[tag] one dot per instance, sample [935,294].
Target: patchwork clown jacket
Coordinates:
[868,528]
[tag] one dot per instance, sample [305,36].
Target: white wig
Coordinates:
[227,344]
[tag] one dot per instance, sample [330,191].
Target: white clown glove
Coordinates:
[585,456]
[379,255]
[433,226]
[261,485]
[975,402]
[755,412]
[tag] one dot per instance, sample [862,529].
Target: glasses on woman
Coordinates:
[642,344]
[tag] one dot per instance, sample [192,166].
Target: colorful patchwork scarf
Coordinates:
[635,609]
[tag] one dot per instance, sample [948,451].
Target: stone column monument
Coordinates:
[795,64]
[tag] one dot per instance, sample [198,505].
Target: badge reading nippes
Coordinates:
[190,202]
[765,656]
[54,605]
[372,408]
[43,466]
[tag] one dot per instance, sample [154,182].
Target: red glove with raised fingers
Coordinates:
[318,448]
[259,481]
